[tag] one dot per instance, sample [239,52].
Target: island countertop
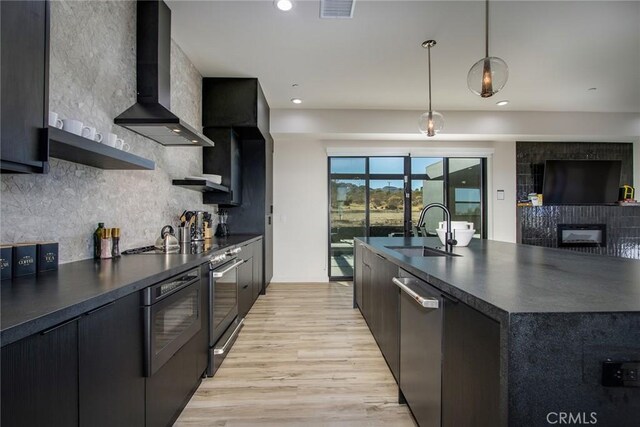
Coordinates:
[502,278]
[34,303]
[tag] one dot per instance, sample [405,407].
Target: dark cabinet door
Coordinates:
[388,317]
[421,352]
[258,274]
[40,379]
[25,72]
[202,338]
[367,288]
[111,364]
[245,287]
[470,368]
[357,275]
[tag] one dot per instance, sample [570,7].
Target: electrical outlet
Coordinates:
[621,374]
[500,194]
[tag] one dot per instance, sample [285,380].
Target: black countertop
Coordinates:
[35,303]
[501,278]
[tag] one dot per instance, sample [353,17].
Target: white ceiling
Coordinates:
[555,50]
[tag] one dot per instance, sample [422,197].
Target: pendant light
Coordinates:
[431,122]
[489,75]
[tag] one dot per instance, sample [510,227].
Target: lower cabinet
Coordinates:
[245,281]
[444,354]
[111,380]
[258,273]
[40,379]
[377,297]
[449,359]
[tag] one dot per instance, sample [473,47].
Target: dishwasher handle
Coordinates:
[218,274]
[432,303]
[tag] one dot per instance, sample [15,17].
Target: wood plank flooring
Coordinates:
[304,358]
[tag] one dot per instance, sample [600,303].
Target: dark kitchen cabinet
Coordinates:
[223,159]
[201,340]
[40,379]
[239,104]
[25,75]
[449,359]
[111,364]
[169,389]
[357,274]
[257,268]
[387,317]
[470,367]
[379,302]
[245,281]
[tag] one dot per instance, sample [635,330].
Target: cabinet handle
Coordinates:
[223,349]
[45,332]
[100,308]
[380,256]
[425,302]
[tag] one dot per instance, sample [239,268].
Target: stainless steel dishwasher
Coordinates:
[421,322]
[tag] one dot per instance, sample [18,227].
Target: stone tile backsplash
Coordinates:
[93,79]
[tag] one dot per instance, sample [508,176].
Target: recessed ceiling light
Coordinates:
[176,130]
[296,100]
[195,141]
[502,103]
[284,5]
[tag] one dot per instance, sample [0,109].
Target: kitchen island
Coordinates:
[546,319]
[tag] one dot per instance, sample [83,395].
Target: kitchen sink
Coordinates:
[421,251]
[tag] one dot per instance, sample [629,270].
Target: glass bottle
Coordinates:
[115,240]
[105,244]
[97,237]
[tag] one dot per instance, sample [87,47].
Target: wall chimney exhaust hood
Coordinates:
[151,115]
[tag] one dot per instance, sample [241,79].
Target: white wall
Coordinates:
[303,137]
[301,195]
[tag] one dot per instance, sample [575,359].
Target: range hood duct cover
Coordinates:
[151,116]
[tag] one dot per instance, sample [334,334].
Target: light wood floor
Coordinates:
[304,358]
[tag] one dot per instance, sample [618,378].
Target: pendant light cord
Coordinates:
[429,60]
[486,23]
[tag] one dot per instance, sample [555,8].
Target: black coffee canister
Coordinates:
[24,259]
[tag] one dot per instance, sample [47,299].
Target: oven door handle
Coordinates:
[219,274]
[223,349]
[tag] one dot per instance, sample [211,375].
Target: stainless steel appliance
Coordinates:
[224,324]
[172,316]
[167,242]
[421,325]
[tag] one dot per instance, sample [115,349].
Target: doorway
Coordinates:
[383,196]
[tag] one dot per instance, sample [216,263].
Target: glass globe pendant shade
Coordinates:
[488,76]
[430,123]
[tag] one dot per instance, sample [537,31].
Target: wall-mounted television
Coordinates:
[581,182]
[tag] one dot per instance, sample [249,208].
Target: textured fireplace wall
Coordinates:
[530,157]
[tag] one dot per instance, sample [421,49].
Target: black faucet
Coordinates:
[449,241]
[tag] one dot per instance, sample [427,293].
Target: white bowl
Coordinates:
[456,225]
[462,236]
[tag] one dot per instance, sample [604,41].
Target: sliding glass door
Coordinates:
[383,196]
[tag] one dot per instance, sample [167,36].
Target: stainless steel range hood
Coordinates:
[151,115]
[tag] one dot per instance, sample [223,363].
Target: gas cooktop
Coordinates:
[192,248]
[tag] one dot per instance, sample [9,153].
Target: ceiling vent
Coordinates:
[336,8]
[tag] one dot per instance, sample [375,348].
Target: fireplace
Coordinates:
[582,235]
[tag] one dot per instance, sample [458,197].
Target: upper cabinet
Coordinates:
[25,78]
[235,102]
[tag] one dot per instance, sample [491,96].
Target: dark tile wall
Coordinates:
[538,225]
[530,157]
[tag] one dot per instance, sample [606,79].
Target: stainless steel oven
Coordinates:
[172,316]
[224,324]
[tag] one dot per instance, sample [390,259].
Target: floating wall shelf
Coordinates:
[201,185]
[74,148]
